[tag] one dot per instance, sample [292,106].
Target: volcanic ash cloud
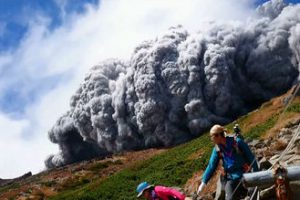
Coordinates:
[175,87]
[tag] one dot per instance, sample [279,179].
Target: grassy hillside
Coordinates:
[175,166]
[117,177]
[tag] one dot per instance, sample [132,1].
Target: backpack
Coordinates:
[246,166]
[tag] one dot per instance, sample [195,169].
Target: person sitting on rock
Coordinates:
[237,159]
[151,192]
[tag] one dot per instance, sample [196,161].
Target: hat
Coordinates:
[142,187]
[216,129]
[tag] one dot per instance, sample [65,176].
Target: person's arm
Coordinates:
[248,154]
[176,194]
[212,165]
[169,192]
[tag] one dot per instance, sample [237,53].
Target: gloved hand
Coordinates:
[200,188]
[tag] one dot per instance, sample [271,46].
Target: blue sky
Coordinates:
[15,19]
[16,14]
[47,46]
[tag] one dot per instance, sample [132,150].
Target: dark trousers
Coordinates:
[230,190]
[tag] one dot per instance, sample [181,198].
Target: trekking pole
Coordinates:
[241,181]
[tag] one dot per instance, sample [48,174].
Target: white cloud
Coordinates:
[19,155]
[111,30]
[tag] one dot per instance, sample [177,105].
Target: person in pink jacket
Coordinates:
[151,192]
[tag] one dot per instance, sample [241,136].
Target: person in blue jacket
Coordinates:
[237,159]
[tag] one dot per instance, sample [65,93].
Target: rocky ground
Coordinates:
[269,150]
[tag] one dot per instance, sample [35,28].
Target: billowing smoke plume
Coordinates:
[175,87]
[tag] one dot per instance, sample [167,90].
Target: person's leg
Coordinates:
[235,190]
[229,188]
[220,193]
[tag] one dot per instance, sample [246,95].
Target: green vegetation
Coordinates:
[262,128]
[9,187]
[295,107]
[99,166]
[173,167]
[49,183]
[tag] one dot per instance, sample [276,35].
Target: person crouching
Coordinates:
[151,192]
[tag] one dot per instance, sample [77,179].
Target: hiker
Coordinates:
[151,192]
[237,159]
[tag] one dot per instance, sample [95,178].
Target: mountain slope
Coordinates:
[178,166]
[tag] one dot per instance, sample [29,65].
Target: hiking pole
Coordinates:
[254,193]
[241,181]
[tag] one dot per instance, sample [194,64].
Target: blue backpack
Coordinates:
[229,153]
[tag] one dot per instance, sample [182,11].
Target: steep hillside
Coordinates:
[117,177]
